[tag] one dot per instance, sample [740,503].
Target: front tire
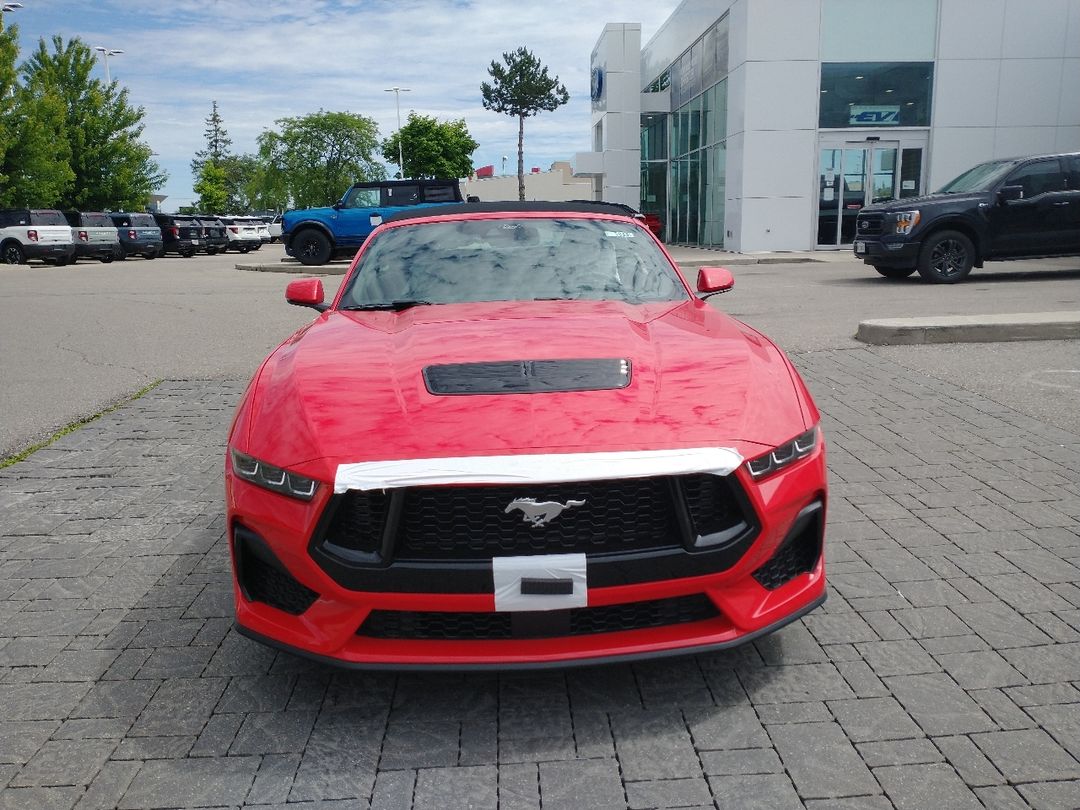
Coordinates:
[895,272]
[311,247]
[13,254]
[946,257]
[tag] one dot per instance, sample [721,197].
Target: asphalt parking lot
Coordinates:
[944,671]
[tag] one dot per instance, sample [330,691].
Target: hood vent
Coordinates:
[527,377]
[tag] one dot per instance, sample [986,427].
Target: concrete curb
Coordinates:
[297,268]
[970,328]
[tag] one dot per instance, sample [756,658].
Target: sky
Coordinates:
[262,60]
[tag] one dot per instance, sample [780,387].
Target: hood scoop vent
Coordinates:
[527,377]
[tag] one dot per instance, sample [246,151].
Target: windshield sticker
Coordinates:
[619,234]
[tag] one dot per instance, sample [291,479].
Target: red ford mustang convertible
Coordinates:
[518,438]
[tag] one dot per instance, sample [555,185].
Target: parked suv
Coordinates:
[316,235]
[139,235]
[243,235]
[29,233]
[1003,209]
[94,235]
[214,238]
[180,234]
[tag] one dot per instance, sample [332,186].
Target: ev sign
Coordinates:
[873,116]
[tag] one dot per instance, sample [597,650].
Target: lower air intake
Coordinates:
[432,625]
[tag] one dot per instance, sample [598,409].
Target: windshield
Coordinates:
[512,260]
[979,178]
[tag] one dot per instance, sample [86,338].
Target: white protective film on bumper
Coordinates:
[509,572]
[545,468]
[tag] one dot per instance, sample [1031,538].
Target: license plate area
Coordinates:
[860,247]
[540,582]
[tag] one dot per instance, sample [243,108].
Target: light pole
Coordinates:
[397,91]
[107,52]
[8,7]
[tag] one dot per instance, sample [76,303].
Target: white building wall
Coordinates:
[773,107]
[1006,82]
[617,113]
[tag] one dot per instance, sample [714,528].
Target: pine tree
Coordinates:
[521,87]
[217,143]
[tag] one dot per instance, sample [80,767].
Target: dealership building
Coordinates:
[758,125]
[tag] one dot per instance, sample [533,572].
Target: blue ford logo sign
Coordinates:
[597,89]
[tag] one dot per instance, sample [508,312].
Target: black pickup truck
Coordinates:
[1019,208]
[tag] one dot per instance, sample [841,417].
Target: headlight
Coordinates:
[273,478]
[906,221]
[787,453]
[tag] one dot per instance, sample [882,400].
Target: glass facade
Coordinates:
[875,94]
[683,169]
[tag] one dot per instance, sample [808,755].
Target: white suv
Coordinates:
[29,233]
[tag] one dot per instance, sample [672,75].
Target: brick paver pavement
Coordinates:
[944,671]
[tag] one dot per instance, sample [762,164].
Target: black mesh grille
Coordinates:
[870,224]
[480,522]
[264,583]
[550,624]
[456,522]
[797,555]
[712,504]
[358,521]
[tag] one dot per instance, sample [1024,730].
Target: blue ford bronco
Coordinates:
[316,235]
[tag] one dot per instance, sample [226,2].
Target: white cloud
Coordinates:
[266,60]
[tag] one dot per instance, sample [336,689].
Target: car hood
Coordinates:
[908,203]
[350,387]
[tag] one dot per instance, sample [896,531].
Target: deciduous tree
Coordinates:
[34,154]
[112,167]
[432,148]
[521,87]
[316,157]
[213,189]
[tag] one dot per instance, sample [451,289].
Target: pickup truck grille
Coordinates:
[870,225]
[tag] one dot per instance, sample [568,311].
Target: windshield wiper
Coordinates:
[388,306]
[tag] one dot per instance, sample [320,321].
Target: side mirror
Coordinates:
[1010,193]
[338,205]
[306,292]
[714,280]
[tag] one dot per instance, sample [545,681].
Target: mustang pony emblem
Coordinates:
[540,513]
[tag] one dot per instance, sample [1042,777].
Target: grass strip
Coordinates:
[64,431]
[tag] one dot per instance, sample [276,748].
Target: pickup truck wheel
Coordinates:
[311,247]
[895,272]
[13,254]
[105,259]
[946,257]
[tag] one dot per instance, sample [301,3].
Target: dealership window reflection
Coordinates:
[875,94]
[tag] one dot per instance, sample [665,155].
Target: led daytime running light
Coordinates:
[787,453]
[272,478]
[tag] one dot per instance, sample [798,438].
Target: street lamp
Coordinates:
[397,91]
[107,52]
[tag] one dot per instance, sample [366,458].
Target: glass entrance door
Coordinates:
[854,174]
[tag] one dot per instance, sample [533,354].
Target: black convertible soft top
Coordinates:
[422,212]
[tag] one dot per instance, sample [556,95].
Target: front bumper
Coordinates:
[713,607]
[887,251]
